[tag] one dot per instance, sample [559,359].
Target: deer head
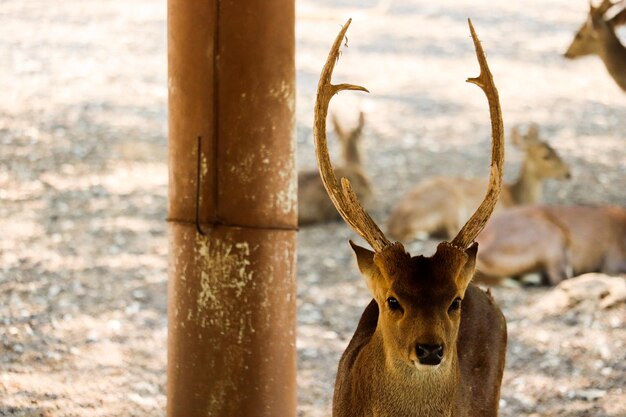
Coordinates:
[541,159]
[350,139]
[589,39]
[419,298]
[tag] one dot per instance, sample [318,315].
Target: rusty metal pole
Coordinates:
[231,347]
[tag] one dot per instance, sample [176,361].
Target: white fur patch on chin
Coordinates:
[426,368]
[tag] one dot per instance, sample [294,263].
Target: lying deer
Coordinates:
[437,206]
[416,351]
[556,241]
[313,203]
[597,37]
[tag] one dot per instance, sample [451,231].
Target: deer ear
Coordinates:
[339,130]
[369,270]
[533,132]
[516,138]
[359,128]
[467,272]
[364,258]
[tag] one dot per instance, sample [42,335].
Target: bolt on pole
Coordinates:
[232,209]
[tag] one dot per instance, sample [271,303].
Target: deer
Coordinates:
[558,242]
[313,203]
[597,37]
[437,206]
[430,343]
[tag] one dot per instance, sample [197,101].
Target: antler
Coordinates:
[344,198]
[603,7]
[620,18]
[477,222]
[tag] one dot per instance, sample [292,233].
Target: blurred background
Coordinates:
[83,188]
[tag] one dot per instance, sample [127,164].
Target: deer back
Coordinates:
[597,236]
[556,241]
[438,206]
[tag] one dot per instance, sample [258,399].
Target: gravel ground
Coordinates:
[83,186]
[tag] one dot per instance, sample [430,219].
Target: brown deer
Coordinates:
[314,205]
[556,241]
[430,343]
[597,37]
[437,206]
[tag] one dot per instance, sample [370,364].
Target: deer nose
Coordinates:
[429,354]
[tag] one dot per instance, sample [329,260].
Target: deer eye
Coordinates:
[393,304]
[456,304]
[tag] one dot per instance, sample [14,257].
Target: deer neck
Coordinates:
[403,390]
[528,186]
[613,54]
[351,154]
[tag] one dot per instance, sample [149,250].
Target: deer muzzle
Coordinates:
[429,354]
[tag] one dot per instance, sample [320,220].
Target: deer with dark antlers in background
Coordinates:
[438,206]
[314,206]
[597,37]
[430,343]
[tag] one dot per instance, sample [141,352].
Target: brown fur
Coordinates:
[376,376]
[597,37]
[555,241]
[439,206]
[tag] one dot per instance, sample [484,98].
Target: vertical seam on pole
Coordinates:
[216,113]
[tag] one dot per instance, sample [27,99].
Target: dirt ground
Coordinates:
[83,188]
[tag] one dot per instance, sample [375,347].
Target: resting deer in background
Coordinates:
[437,206]
[597,37]
[313,203]
[556,241]
[430,343]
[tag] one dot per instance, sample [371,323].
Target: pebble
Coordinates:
[92,336]
[590,394]
[139,294]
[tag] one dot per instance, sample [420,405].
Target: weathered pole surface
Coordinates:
[231,347]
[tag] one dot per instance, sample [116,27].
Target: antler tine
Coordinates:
[619,19]
[344,198]
[477,222]
[606,5]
